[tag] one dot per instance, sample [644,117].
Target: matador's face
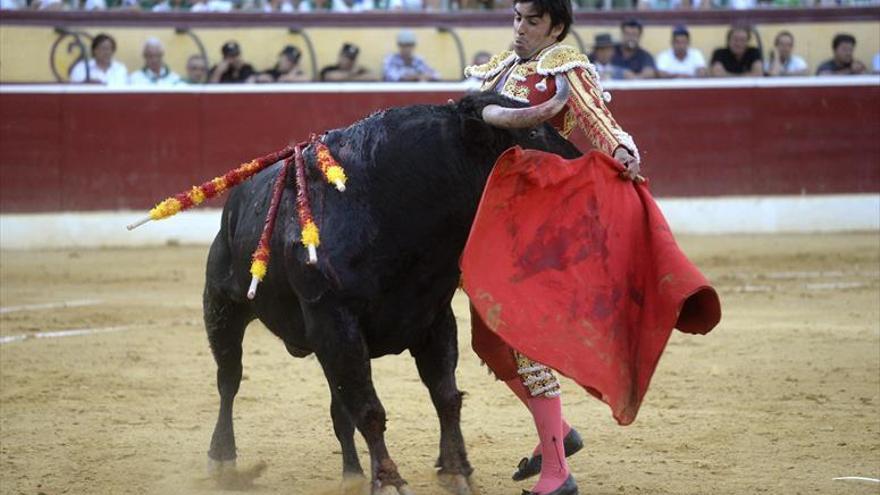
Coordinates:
[532,32]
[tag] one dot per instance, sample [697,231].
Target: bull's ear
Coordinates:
[476,132]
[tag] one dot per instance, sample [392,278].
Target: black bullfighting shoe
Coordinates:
[530,466]
[567,488]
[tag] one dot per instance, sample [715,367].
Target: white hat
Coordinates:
[406,37]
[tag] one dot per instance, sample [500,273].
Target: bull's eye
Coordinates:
[533,134]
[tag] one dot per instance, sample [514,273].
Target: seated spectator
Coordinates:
[347,68]
[283,6]
[154,72]
[351,5]
[681,60]
[405,65]
[411,5]
[782,61]
[286,69]
[843,62]
[196,70]
[738,58]
[636,62]
[47,5]
[171,6]
[232,69]
[603,52]
[102,68]
[475,83]
[90,5]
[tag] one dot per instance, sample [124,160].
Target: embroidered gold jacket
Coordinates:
[533,81]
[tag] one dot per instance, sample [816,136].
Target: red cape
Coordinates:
[577,269]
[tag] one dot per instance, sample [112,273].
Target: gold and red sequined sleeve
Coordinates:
[587,102]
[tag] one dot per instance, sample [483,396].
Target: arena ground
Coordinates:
[782,397]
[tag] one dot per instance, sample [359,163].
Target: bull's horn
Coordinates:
[524,118]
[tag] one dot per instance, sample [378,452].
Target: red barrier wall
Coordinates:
[93,151]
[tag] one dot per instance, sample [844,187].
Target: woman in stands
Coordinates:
[102,69]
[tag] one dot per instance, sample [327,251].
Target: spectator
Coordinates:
[738,58]
[842,63]
[199,6]
[482,57]
[211,6]
[283,6]
[603,52]
[154,72]
[351,5]
[410,5]
[636,62]
[782,61]
[47,5]
[196,70]
[171,6]
[876,63]
[286,69]
[102,68]
[405,65]
[346,68]
[681,60]
[232,69]
[90,5]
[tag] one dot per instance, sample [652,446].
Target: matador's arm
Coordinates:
[587,100]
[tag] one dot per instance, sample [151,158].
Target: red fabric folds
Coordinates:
[577,269]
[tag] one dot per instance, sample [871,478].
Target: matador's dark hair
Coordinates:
[559,10]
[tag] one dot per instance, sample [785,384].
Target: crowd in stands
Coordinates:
[613,61]
[290,6]
[628,60]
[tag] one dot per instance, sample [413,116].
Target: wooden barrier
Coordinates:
[66,148]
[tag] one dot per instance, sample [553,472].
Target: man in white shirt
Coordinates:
[681,60]
[154,71]
[781,61]
[102,69]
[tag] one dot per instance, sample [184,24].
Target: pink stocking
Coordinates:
[516,385]
[547,412]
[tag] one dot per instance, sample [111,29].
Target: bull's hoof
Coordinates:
[354,484]
[530,466]
[216,467]
[457,484]
[229,477]
[394,490]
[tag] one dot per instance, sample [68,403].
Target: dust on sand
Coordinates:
[782,397]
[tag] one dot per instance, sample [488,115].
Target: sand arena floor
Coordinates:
[782,397]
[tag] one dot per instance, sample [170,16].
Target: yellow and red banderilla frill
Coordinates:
[212,188]
[260,257]
[309,234]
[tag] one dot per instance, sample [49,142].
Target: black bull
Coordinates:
[386,273]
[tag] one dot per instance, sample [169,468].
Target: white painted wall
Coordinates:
[724,215]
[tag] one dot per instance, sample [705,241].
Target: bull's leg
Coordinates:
[344,428]
[343,355]
[436,362]
[225,322]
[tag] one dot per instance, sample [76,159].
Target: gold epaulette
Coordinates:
[561,58]
[491,68]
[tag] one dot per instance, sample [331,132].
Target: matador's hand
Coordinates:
[628,160]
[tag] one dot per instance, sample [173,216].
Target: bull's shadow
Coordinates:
[386,272]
